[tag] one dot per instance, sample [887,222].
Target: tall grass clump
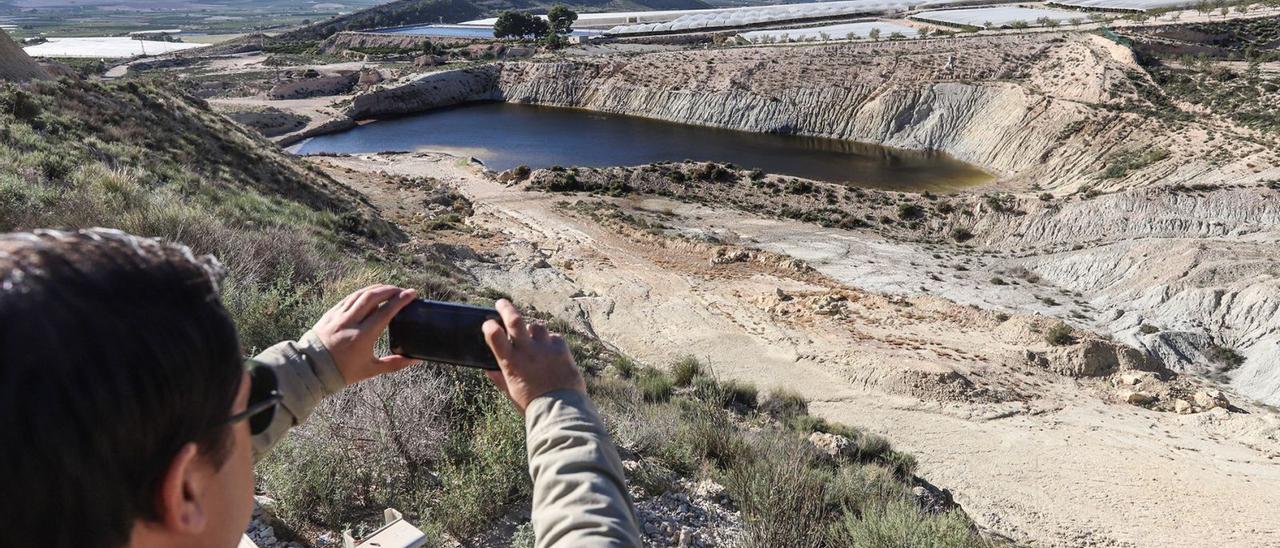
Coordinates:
[781,493]
[901,523]
[783,404]
[685,369]
[654,385]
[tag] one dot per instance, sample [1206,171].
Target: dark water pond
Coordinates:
[504,135]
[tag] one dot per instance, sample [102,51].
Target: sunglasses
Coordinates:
[263,399]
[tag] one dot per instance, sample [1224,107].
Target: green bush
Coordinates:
[654,385]
[732,393]
[652,477]
[625,367]
[797,186]
[783,404]
[706,389]
[902,464]
[872,446]
[807,424]
[523,536]
[781,494]
[742,394]
[481,483]
[901,524]
[910,212]
[1123,163]
[1060,334]
[855,487]
[711,436]
[312,479]
[685,369]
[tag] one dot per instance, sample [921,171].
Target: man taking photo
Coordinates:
[129,418]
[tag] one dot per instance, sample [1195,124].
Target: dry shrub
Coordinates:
[783,404]
[363,449]
[781,494]
[901,524]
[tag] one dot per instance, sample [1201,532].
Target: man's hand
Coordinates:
[351,328]
[533,361]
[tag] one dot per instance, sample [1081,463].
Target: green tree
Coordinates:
[874,34]
[516,24]
[562,19]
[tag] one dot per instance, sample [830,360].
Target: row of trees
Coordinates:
[518,24]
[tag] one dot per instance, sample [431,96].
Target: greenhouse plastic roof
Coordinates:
[606,18]
[737,17]
[833,32]
[998,16]
[1137,5]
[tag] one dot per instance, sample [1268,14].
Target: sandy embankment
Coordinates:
[1035,455]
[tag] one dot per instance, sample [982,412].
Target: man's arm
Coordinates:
[579,491]
[305,374]
[337,352]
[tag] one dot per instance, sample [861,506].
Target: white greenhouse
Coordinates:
[1126,5]
[104,47]
[842,31]
[1000,16]
[741,17]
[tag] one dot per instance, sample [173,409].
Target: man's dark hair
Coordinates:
[115,351]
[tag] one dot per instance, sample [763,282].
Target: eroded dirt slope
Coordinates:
[1033,437]
[1052,110]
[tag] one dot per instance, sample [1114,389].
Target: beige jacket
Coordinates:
[579,492]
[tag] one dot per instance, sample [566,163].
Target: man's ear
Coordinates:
[180,501]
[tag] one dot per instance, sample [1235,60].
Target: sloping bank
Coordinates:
[1062,111]
[1024,106]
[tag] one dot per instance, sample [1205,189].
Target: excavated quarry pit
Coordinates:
[1069,114]
[905,331]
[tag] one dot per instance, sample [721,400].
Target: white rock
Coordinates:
[1134,397]
[831,444]
[1209,399]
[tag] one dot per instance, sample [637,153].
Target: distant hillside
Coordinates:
[401,12]
[15,64]
[409,12]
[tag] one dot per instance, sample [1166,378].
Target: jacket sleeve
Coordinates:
[305,373]
[579,493]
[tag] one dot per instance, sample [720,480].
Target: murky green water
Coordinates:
[506,135]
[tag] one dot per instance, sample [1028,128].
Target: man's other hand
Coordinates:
[351,328]
[533,361]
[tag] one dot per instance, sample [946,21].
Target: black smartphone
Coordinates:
[443,332]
